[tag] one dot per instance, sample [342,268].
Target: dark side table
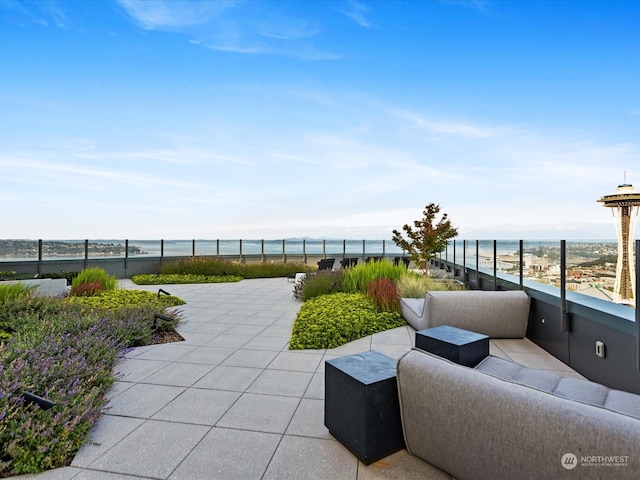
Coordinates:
[460,346]
[361,406]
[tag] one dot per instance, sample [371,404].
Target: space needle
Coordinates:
[624,205]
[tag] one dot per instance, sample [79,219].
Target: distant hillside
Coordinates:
[29,248]
[601,262]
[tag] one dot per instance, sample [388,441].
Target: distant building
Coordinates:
[624,205]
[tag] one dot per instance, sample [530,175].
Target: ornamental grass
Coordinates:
[211,266]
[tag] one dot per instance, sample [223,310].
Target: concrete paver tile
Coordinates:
[260,413]
[223,377]
[302,458]
[202,407]
[153,450]
[226,454]
[143,400]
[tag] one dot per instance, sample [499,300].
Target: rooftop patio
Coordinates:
[231,402]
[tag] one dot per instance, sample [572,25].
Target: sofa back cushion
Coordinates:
[576,389]
[498,314]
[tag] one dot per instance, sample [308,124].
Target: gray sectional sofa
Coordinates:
[500,420]
[497,314]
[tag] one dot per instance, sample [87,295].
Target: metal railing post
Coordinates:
[464,261]
[240,244]
[565,326]
[454,259]
[446,258]
[284,255]
[126,256]
[218,248]
[304,251]
[521,262]
[193,247]
[324,248]
[39,257]
[262,250]
[495,265]
[161,250]
[477,264]
[86,253]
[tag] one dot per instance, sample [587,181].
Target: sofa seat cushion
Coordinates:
[576,389]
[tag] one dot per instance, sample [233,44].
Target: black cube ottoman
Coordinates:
[361,406]
[455,344]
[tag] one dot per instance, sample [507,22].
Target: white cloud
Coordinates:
[442,128]
[232,26]
[357,11]
[174,15]
[72,173]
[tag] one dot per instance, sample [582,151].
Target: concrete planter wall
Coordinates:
[48,287]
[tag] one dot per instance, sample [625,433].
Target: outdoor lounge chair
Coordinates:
[326,264]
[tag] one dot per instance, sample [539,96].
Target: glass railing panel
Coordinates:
[254,247]
[333,248]
[352,248]
[471,260]
[591,268]
[541,261]
[485,255]
[313,247]
[178,248]
[148,248]
[374,248]
[203,248]
[62,249]
[104,248]
[292,246]
[508,257]
[18,250]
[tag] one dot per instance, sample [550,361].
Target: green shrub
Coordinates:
[356,279]
[332,320]
[313,285]
[383,293]
[13,275]
[93,276]
[68,276]
[174,278]
[115,299]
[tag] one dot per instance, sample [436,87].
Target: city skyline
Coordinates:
[337,119]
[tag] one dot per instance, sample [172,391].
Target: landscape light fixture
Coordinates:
[43,403]
[157,317]
[163,291]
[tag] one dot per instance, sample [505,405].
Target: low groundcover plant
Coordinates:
[175,278]
[64,351]
[329,321]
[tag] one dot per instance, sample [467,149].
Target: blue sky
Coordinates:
[331,119]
